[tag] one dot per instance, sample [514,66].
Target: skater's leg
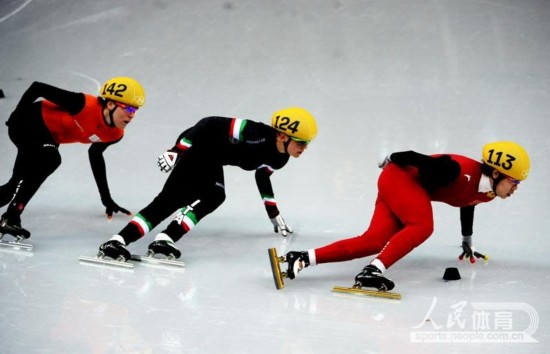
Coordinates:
[7,191]
[172,196]
[382,227]
[149,217]
[411,205]
[402,210]
[37,156]
[402,220]
[205,195]
[206,198]
[38,165]
[144,221]
[191,214]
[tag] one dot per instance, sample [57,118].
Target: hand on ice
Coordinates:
[279,224]
[469,253]
[112,207]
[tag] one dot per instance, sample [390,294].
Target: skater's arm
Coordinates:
[97,162]
[73,102]
[409,158]
[99,171]
[467,220]
[434,171]
[265,188]
[263,182]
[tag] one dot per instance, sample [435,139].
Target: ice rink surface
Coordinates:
[379,76]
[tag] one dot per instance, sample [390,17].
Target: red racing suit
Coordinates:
[403,216]
[86,126]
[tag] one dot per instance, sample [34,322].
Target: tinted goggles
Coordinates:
[127,108]
[300,141]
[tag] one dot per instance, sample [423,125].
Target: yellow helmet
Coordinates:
[295,122]
[124,90]
[508,158]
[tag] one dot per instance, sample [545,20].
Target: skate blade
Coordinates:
[158,261]
[276,268]
[375,293]
[104,261]
[15,245]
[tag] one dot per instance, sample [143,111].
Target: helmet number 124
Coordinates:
[284,123]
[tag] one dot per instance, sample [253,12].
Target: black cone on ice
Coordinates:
[451,274]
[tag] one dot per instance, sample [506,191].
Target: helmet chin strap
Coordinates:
[496,181]
[286,143]
[111,123]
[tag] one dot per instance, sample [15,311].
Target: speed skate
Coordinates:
[101,260]
[15,244]
[276,261]
[279,276]
[150,258]
[121,262]
[357,290]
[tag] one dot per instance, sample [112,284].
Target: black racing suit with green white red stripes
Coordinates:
[196,183]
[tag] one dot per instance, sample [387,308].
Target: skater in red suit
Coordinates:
[403,217]
[38,126]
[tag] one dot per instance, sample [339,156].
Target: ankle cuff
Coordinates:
[119,239]
[312,258]
[163,237]
[378,264]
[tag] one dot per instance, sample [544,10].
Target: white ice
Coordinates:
[380,76]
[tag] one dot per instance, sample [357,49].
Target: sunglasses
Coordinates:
[127,108]
[300,142]
[514,181]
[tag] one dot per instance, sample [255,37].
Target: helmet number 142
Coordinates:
[114,89]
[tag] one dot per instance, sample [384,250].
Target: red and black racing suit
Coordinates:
[403,215]
[38,127]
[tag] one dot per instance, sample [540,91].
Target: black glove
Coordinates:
[468,252]
[112,207]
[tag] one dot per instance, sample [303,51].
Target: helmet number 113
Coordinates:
[506,164]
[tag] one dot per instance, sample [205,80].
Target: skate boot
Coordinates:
[12,225]
[164,247]
[296,262]
[371,277]
[115,250]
